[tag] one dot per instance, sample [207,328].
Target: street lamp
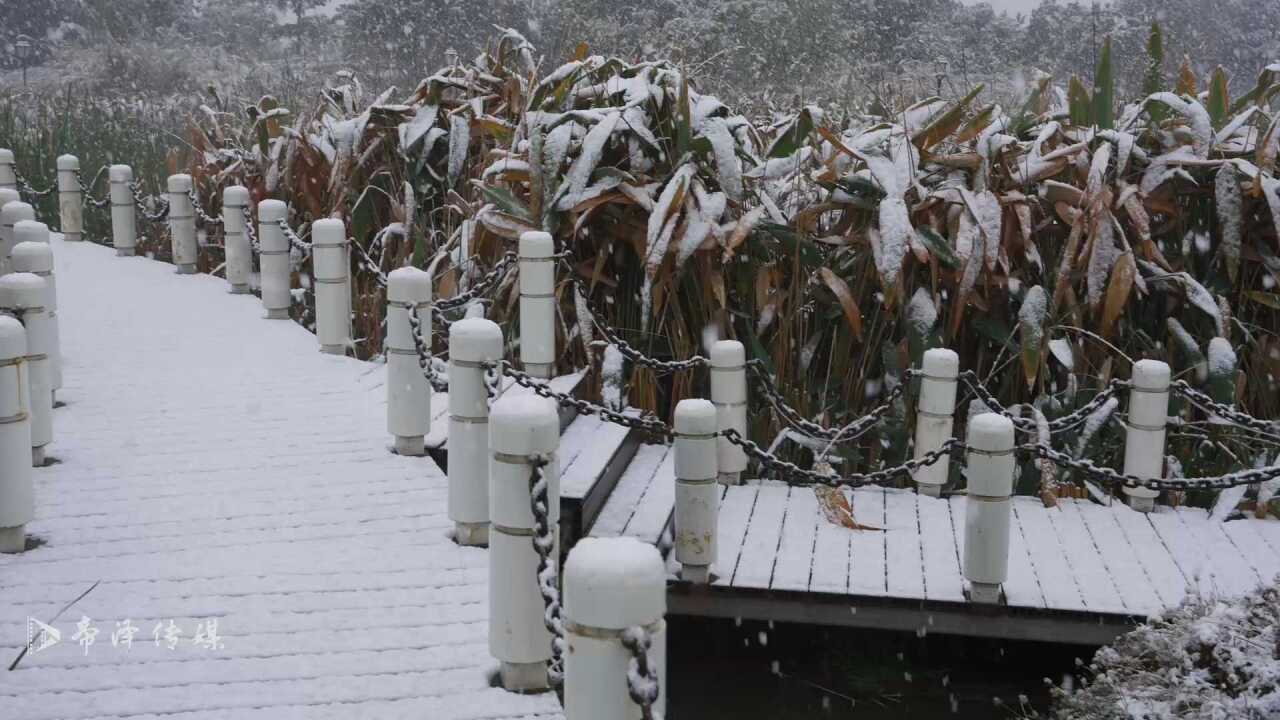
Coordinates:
[22,48]
[451,57]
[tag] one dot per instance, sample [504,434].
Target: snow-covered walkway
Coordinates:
[214,466]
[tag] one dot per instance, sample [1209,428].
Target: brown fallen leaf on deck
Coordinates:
[836,508]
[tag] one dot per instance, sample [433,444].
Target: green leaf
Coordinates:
[509,203]
[793,136]
[1104,89]
[793,242]
[1218,98]
[939,247]
[1270,300]
[945,123]
[1078,102]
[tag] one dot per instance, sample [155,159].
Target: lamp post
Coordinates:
[22,48]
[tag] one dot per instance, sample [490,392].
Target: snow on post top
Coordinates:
[179,183]
[941,362]
[537,244]
[695,416]
[475,339]
[524,424]
[1151,375]
[728,353]
[614,583]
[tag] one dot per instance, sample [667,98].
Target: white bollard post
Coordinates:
[182,224]
[11,213]
[22,295]
[612,586]
[934,416]
[520,427]
[17,504]
[729,395]
[33,255]
[70,202]
[990,466]
[1145,429]
[274,259]
[239,252]
[333,296]
[124,221]
[697,492]
[472,342]
[408,392]
[8,171]
[538,304]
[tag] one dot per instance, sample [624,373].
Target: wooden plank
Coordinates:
[830,557]
[1183,548]
[1083,559]
[1119,557]
[1233,575]
[731,529]
[1048,559]
[1246,535]
[1167,580]
[867,547]
[799,529]
[577,439]
[904,565]
[655,506]
[764,533]
[942,580]
[631,487]
[1021,588]
[577,481]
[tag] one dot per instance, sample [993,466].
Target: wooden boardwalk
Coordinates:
[1080,572]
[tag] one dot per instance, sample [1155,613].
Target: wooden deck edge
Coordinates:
[887,613]
[577,515]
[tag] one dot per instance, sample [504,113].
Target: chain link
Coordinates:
[1109,476]
[544,544]
[649,424]
[629,351]
[365,261]
[87,193]
[425,360]
[30,189]
[642,678]
[804,426]
[1028,425]
[482,287]
[250,230]
[789,470]
[1223,410]
[157,216]
[292,237]
[205,218]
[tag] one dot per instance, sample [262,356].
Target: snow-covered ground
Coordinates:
[216,472]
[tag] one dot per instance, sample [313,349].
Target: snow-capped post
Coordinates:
[274,259]
[8,176]
[33,255]
[537,304]
[729,395]
[697,492]
[235,199]
[17,506]
[22,295]
[990,465]
[472,342]
[408,392]
[520,427]
[333,296]
[70,201]
[1145,429]
[934,415]
[615,591]
[182,224]
[124,222]
[11,213]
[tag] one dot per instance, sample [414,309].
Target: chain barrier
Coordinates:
[789,470]
[292,237]
[642,679]
[1213,407]
[629,351]
[649,424]
[544,544]
[87,193]
[1109,476]
[141,204]
[482,287]
[1028,425]
[425,360]
[250,230]
[205,218]
[804,426]
[30,189]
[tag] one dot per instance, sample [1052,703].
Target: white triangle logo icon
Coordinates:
[41,636]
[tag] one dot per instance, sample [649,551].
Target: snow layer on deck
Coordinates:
[214,465]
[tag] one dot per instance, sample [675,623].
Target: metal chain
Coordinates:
[1062,424]
[249,229]
[482,287]
[804,426]
[157,216]
[1107,475]
[544,544]
[200,213]
[30,189]
[425,361]
[650,424]
[629,351]
[642,679]
[87,194]
[292,237]
[1209,405]
[788,470]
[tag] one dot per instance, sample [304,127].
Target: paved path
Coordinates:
[215,466]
